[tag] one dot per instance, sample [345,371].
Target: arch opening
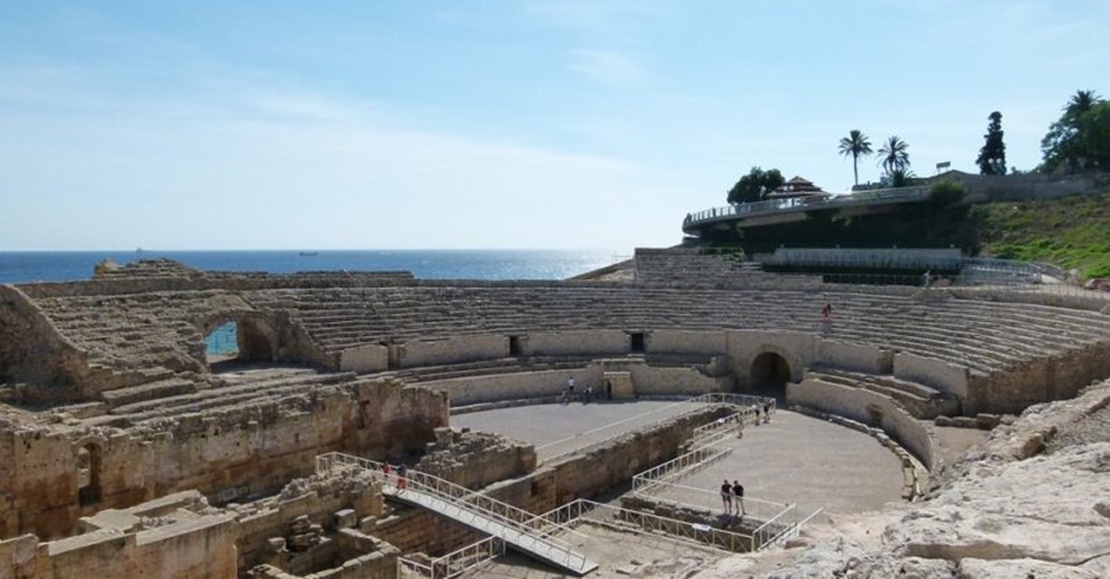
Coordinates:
[231,341]
[88,475]
[770,373]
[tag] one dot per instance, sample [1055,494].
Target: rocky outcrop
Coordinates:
[1034,501]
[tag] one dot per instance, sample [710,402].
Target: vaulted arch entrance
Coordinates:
[770,373]
[239,339]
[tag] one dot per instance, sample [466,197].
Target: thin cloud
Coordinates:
[606,66]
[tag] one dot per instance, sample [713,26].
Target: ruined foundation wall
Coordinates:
[413,530]
[228,454]
[32,351]
[601,468]
[193,549]
[1041,380]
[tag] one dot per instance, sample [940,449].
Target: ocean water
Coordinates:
[493,264]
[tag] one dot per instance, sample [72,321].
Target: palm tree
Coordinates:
[855,144]
[894,155]
[1080,102]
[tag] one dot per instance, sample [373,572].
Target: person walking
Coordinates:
[402,482]
[570,388]
[726,497]
[738,497]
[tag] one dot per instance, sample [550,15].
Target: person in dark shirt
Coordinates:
[726,497]
[738,496]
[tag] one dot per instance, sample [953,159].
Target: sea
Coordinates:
[488,264]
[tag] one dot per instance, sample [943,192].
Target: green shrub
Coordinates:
[946,192]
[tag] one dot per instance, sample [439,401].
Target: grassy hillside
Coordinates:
[1073,233]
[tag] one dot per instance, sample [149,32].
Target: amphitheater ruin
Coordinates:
[128,451]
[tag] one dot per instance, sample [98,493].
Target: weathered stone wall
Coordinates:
[363,359]
[943,376]
[468,349]
[855,357]
[1040,380]
[601,468]
[476,459]
[517,385]
[228,453]
[203,547]
[319,500]
[797,348]
[661,380]
[869,408]
[413,530]
[578,343]
[32,351]
[708,342]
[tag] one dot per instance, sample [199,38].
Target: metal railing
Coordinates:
[773,534]
[687,405]
[651,524]
[456,562]
[876,197]
[702,499]
[685,464]
[713,432]
[471,505]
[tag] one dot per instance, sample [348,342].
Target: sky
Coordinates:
[493,124]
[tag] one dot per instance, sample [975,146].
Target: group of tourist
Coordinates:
[401,480]
[732,497]
[568,394]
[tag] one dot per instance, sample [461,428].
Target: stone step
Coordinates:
[235,391]
[148,391]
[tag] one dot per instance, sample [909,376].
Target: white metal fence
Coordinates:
[530,532]
[456,562]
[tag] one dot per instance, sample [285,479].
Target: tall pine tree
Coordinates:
[992,157]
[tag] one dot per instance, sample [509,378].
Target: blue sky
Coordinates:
[487,124]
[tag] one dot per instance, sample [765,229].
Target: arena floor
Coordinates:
[794,459]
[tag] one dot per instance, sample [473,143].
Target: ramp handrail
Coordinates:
[466,499]
[680,531]
[712,432]
[742,400]
[458,561]
[644,481]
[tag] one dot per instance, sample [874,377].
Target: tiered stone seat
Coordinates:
[966,332]
[144,338]
[920,400]
[691,267]
[249,387]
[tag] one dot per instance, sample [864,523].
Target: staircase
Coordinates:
[528,533]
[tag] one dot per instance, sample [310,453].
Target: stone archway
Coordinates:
[769,374]
[252,339]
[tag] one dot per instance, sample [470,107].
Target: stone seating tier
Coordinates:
[124,333]
[227,391]
[919,400]
[928,328]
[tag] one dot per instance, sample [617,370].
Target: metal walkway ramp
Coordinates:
[524,531]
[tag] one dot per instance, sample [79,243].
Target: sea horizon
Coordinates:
[31,266]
